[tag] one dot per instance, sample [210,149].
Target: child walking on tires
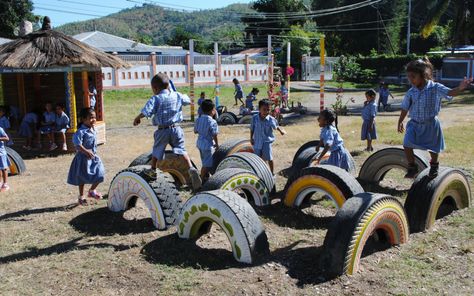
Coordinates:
[422,103]
[165,106]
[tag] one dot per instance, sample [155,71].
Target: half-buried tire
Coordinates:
[227,118]
[311,145]
[366,223]
[251,162]
[241,181]
[246,119]
[228,148]
[160,195]
[144,159]
[431,199]
[17,165]
[379,163]
[233,215]
[333,182]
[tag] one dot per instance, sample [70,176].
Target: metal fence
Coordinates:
[311,67]
[170,60]
[135,58]
[258,60]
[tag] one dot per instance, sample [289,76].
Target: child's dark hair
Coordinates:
[203,93]
[3,109]
[160,81]
[263,103]
[85,112]
[371,93]
[207,106]
[255,90]
[60,105]
[236,81]
[423,67]
[330,116]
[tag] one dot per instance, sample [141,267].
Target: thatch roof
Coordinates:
[49,48]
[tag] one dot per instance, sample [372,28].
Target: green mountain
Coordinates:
[142,22]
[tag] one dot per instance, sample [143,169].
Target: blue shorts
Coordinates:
[206,157]
[265,152]
[426,135]
[48,129]
[61,131]
[365,133]
[171,136]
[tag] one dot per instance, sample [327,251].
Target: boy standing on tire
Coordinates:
[207,129]
[261,132]
[166,109]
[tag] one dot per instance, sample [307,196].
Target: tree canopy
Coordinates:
[12,13]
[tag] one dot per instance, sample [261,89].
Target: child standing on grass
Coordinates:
[239,92]
[47,126]
[4,161]
[252,96]
[261,132]
[86,167]
[61,125]
[201,99]
[165,106]
[369,111]
[28,128]
[284,94]
[423,103]
[207,129]
[384,92]
[5,123]
[330,140]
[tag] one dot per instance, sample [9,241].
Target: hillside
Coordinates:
[160,23]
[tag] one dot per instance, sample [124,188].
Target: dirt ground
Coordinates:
[49,246]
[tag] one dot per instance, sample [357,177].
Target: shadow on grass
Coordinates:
[375,187]
[61,248]
[27,212]
[103,222]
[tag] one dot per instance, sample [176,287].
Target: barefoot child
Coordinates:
[252,96]
[4,161]
[165,106]
[423,103]
[86,167]
[61,125]
[369,111]
[239,92]
[201,99]
[261,132]
[207,142]
[330,140]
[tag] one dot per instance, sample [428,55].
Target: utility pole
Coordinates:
[322,51]
[191,76]
[270,61]
[217,72]
[409,27]
[288,64]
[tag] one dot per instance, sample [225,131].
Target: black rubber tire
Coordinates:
[251,162]
[228,148]
[221,109]
[143,159]
[326,178]
[379,163]
[354,223]
[303,160]
[308,145]
[15,160]
[427,195]
[227,118]
[246,119]
[235,217]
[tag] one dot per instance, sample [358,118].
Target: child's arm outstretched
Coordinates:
[462,86]
[281,130]
[147,111]
[325,150]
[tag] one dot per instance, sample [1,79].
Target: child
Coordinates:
[200,100]
[166,108]
[28,128]
[86,167]
[332,141]
[284,94]
[47,126]
[261,132]
[423,103]
[252,96]
[5,123]
[4,161]
[369,111]
[239,92]
[92,93]
[207,129]
[384,92]
[61,124]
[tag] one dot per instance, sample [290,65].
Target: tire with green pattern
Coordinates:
[366,223]
[17,165]
[431,199]
[230,147]
[159,194]
[233,215]
[244,182]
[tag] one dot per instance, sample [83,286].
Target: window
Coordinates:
[136,75]
[103,76]
[109,76]
[148,75]
[123,75]
[209,73]
[143,75]
[251,72]
[177,74]
[203,73]
[171,74]
[235,73]
[184,74]
[129,75]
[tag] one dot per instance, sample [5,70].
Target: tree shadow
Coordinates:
[104,222]
[376,187]
[61,248]
[28,212]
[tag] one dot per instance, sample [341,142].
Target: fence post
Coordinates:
[247,68]
[116,73]
[188,67]
[321,78]
[153,63]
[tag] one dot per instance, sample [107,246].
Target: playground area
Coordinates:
[49,245]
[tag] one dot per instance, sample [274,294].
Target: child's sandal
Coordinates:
[95,195]
[82,201]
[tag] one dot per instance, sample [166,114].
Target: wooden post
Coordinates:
[321,77]
[116,73]
[288,65]
[100,97]
[191,76]
[85,90]
[247,68]
[21,92]
[188,70]
[269,61]
[153,64]
[71,100]
[217,72]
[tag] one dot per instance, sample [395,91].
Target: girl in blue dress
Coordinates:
[330,140]
[4,161]
[47,125]
[86,167]
[422,104]
[238,92]
[369,111]
[28,128]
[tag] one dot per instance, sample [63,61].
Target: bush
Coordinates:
[386,65]
[348,69]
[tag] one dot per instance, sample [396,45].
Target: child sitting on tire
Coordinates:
[261,132]
[165,106]
[207,129]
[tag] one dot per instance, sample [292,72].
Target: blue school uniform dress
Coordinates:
[49,119]
[200,100]
[339,155]
[423,131]
[61,123]
[263,135]
[206,127]
[84,170]
[383,93]
[239,92]
[28,125]
[4,161]
[92,98]
[249,101]
[5,124]
[166,108]
[369,111]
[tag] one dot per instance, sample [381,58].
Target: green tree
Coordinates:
[301,43]
[12,13]
[229,37]
[181,38]
[145,39]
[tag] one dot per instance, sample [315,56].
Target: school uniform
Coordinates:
[200,100]
[61,123]
[239,92]
[49,119]
[5,124]
[28,125]
[249,101]
[263,136]
[4,161]
[84,170]
[424,131]
[206,127]
[383,96]
[92,98]
[339,155]
[166,108]
[369,111]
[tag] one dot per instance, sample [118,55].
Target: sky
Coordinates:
[66,11]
